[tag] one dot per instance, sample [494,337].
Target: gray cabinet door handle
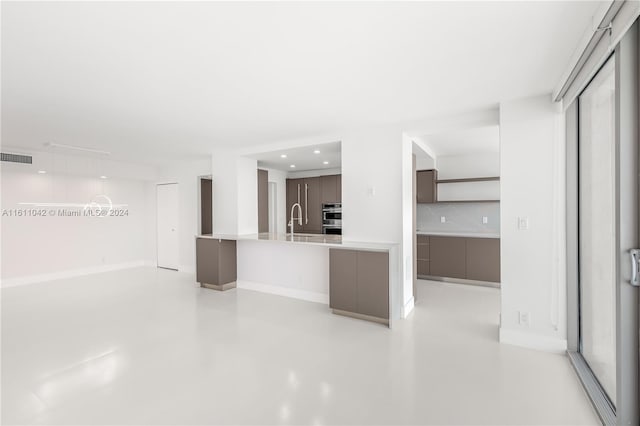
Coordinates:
[306,203]
[635,264]
[298,193]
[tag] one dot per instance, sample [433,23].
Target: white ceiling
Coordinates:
[468,141]
[156,81]
[303,158]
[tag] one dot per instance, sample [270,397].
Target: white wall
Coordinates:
[40,248]
[531,170]
[314,173]
[235,193]
[469,166]
[293,270]
[186,174]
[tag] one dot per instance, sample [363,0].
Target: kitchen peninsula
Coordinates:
[355,278]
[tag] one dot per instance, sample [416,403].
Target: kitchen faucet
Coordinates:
[299,218]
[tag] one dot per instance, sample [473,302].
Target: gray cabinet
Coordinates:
[448,256]
[359,283]
[460,257]
[343,277]
[308,193]
[426,186]
[422,255]
[331,189]
[216,263]
[483,259]
[263,201]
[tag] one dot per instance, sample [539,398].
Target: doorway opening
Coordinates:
[205,205]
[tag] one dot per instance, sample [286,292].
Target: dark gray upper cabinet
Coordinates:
[483,259]
[263,201]
[329,189]
[426,186]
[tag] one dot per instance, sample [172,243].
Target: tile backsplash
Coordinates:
[459,217]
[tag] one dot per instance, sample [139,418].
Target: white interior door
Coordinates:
[167,222]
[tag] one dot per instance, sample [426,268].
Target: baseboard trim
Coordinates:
[533,341]
[310,296]
[71,273]
[408,307]
[219,287]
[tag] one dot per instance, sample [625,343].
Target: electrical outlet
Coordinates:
[523,223]
[524,318]
[443,219]
[485,220]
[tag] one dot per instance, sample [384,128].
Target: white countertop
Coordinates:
[334,241]
[459,234]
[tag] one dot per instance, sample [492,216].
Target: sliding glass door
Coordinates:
[597,227]
[602,127]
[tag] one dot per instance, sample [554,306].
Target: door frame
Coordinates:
[199,201]
[626,409]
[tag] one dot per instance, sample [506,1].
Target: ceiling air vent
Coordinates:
[16,158]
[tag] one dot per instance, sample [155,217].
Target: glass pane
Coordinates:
[597,228]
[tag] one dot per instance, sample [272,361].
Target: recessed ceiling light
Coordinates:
[317,151]
[293,166]
[42,172]
[103,177]
[283,155]
[325,162]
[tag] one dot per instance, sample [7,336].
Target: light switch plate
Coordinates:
[523,223]
[485,220]
[443,219]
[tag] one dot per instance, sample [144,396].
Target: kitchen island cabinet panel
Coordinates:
[216,263]
[343,278]
[373,284]
[359,283]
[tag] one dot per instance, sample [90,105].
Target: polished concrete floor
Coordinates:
[146,346]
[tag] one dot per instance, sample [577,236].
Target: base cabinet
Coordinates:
[448,257]
[483,259]
[459,257]
[359,283]
[216,263]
